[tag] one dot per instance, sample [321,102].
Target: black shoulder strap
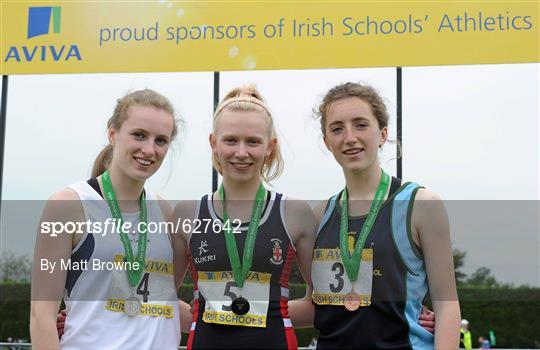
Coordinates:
[394,186]
[93,182]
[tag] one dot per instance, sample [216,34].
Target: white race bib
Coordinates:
[155,289]
[330,280]
[219,290]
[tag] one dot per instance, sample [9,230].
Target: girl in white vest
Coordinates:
[116,280]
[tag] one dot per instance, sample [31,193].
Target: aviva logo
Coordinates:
[41,21]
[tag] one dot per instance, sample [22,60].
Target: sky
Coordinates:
[470,134]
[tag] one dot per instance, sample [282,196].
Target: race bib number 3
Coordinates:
[155,289]
[330,281]
[219,290]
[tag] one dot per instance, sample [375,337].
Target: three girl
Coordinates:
[369,272]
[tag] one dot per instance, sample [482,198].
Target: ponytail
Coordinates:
[103,160]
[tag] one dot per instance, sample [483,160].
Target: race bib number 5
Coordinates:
[219,290]
[155,289]
[330,281]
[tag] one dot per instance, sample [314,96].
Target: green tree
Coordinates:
[459,261]
[15,268]
[482,278]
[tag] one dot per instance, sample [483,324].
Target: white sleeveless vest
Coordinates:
[95,297]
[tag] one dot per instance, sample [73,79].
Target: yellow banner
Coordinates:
[163,35]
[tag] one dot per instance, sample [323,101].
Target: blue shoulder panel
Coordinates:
[416,282]
[327,213]
[401,206]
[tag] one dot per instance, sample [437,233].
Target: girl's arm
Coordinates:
[432,232]
[48,276]
[301,224]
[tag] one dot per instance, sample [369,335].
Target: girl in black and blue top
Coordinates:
[372,298]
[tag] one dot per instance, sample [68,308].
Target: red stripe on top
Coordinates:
[195,278]
[287,267]
[290,336]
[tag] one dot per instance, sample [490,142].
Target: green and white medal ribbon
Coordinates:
[240,305]
[351,262]
[132,304]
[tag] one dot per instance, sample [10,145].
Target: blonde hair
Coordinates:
[247,99]
[144,97]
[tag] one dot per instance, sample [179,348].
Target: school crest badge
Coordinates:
[277,252]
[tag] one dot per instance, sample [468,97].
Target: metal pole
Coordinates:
[399,102]
[216,102]
[3,111]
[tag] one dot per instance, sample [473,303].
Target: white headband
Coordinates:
[243,98]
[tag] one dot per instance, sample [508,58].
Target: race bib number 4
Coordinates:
[219,290]
[155,289]
[330,281]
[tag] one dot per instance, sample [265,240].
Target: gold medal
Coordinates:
[352,301]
